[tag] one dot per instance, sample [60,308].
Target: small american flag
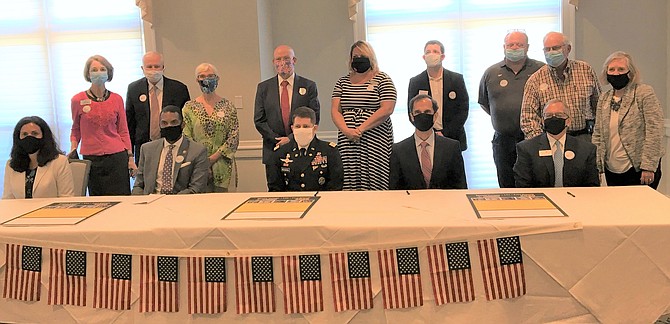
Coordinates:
[352,288]
[159,288]
[502,267]
[400,276]
[67,278]
[206,285]
[254,285]
[23,272]
[451,273]
[303,291]
[112,281]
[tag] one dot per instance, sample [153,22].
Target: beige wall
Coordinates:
[238,36]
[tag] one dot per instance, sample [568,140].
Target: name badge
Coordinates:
[423,92]
[545,153]
[85,102]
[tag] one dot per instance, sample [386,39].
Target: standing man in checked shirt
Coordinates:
[573,82]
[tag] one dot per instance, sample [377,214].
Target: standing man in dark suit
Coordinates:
[445,87]
[424,160]
[277,97]
[145,99]
[553,158]
[172,164]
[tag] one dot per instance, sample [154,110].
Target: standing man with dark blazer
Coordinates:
[445,87]
[145,99]
[424,160]
[277,97]
[553,158]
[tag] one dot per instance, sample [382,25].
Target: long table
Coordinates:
[607,262]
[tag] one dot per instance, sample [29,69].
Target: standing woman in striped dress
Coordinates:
[362,104]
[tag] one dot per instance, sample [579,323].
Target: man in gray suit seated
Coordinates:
[172,164]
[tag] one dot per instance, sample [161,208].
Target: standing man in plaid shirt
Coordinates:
[573,82]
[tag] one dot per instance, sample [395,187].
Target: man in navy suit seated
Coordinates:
[553,158]
[423,160]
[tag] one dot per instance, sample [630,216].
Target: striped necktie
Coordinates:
[558,165]
[426,165]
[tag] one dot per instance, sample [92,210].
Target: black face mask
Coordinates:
[618,82]
[423,122]
[30,144]
[171,133]
[360,64]
[554,125]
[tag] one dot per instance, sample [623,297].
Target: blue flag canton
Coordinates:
[261,269]
[75,263]
[458,255]
[509,250]
[31,258]
[122,266]
[215,269]
[359,264]
[310,267]
[168,268]
[408,261]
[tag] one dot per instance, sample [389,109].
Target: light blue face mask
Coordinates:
[554,58]
[515,55]
[98,77]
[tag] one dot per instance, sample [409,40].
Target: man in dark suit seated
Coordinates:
[424,160]
[553,158]
[447,88]
[145,99]
[277,97]
[172,164]
[306,163]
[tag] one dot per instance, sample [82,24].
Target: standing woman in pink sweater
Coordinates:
[99,123]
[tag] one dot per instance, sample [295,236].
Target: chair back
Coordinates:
[80,169]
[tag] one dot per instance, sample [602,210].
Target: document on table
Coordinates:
[265,208]
[60,213]
[514,205]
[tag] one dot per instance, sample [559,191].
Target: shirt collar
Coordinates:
[430,140]
[552,141]
[290,79]
[159,85]
[176,144]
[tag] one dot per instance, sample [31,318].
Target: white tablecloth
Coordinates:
[607,261]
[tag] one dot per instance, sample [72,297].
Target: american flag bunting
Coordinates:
[451,273]
[352,287]
[111,288]
[502,267]
[303,288]
[254,285]
[400,277]
[67,277]
[206,285]
[159,287]
[23,272]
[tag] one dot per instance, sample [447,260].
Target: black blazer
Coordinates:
[137,111]
[267,110]
[448,170]
[454,111]
[534,171]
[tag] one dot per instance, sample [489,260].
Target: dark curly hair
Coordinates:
[20,161]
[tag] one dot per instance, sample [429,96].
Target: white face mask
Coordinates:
[432,59]
[303,136]
[153,76]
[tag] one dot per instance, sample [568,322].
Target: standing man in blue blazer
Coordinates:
[277,97]
[426,160]
[554,158]
[145,99]
[445,87]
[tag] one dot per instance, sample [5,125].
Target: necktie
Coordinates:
[154,118]
[166,188]
[558,165]
[426,166]
[285,106]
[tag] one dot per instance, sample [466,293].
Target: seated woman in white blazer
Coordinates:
[37,168]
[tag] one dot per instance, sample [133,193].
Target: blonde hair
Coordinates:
[633,72]
[101,60]
[205,67]
[366,50]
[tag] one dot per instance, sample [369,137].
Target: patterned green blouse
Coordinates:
[217,132]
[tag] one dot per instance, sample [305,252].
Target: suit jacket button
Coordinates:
[302,175]
[302,185]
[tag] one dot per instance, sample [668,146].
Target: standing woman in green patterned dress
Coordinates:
[211,120]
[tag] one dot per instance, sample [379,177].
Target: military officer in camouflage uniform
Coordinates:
[305,163]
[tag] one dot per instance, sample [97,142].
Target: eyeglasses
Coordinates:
[519,45]
[553,48]
[206,76]
[557,115]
